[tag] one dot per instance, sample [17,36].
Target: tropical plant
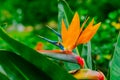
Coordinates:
[25,63]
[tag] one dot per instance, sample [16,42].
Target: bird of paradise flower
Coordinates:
[72,37]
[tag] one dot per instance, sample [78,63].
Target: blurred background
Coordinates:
[28,18]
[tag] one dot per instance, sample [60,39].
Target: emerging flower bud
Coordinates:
[87,74]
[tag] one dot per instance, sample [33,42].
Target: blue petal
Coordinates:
[58,34]
[58,44]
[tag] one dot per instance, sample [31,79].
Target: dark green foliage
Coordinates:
[35,58]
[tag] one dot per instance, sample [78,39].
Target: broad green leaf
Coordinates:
[3,77]
[51,69]
[115,66]
[65,13]
[18,68]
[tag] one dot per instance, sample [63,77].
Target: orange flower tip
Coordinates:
[39,46]
[80,61]
[76,14]
[99,23]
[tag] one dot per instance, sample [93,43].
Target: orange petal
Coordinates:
[90,25]
[92,33]
[73,33]
[39,46]
[63,32]
[77,42]
[88,33]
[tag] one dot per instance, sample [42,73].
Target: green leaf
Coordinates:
[65,13]
[89,57]
[51,69]
[18,68]
[3,77]
[86,53]
[112,15]
[115,66]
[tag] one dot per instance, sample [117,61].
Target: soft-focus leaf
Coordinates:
[3,77]
[86,53]
[37,59]
[89,57]
[115,66]
[113,15]
[18,68]
[65,13]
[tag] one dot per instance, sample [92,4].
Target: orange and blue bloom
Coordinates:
[73,36]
